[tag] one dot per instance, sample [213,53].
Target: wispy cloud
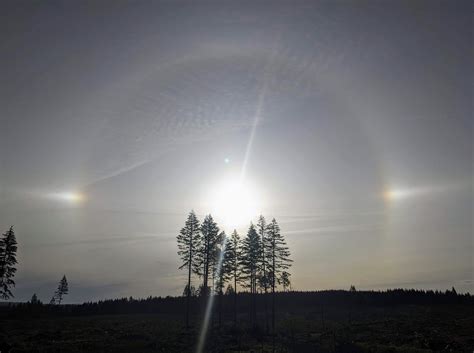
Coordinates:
[335,229]
[138,237]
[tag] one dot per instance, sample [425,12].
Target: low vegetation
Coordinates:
[326,321]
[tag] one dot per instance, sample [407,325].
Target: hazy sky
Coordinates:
[349,122]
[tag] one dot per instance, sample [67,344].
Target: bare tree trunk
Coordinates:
[265,286]
[220,308]
[254,306]
[235,299]
[254,299]
[188,294]
[206,270]
[273,303]
[267,326]
[273,316]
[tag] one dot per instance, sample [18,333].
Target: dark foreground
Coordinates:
[406,328]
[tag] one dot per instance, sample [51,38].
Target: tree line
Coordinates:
[259,262]
[310,303]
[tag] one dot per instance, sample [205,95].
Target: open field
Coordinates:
[401,328]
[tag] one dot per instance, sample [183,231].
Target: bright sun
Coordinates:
[234,203]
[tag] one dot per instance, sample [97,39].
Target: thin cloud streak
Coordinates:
[335,229]
[115,240]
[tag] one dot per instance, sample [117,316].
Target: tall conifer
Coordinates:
[251,257]
[63,289]
[277,260]
[188,246]
[232,264]
[208,251]
[8,248]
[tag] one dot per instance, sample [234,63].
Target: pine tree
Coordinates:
[192,291]
[34,300]
[188,245]
[207,253]
[277,260]
[286,281]
[263,276]
[229,290]
[220,271]
[62,290]
[232,264]
[261,230]
[251,255]
[8,248]
[220,268]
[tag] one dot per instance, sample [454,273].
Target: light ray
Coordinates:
[256,121]
[210,303]
[259,109]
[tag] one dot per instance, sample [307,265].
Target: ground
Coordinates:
[420,329]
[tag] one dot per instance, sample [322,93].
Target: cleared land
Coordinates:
[330,328]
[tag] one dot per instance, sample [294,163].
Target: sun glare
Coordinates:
[235,203]
[72,197]
[395,194]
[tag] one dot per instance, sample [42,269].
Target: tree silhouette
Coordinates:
[188,245]
[62,290]
[277,258]
[263,276]
[220,271]
[207,253]
[34,300]
[232,264]
[251,257]
[229,290]
[261,230]
[192,291]
[8,248]
[286,281]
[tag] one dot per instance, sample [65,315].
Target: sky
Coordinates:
[349,122]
